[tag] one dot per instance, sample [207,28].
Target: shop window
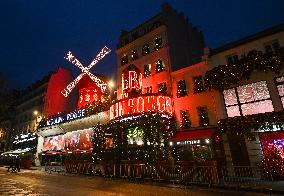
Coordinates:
[203,116]
[280,86]
[198,85]
[162,88]
[124,59]
[160,66]
[147,70]
[181,88]
[134,55]
[232,59]
[248,99]
[145,49]
[148,90]
[158,43]
[185,119]
[271,46]
[135,136]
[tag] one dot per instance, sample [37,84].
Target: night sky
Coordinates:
[36,34]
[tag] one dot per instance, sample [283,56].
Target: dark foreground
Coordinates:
[34,182]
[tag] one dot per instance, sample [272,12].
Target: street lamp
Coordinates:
[37,119]
[110,84]
[111,87]
[35,112]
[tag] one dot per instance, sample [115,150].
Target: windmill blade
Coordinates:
[99,56]
[72,85]
[72,59]
[101,84]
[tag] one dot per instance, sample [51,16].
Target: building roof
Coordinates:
[250,38]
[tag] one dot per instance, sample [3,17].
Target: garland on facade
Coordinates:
[243,125]
[225,75]
[157,130]
[97,107]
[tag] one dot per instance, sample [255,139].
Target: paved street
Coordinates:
[34,182]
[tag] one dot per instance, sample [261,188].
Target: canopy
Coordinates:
[194,134]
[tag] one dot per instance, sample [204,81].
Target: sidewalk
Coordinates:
[271,187]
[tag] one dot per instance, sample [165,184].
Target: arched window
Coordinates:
[124,59]
[147,70]
[134,55]
[145,49]
[160,66]
[158,43]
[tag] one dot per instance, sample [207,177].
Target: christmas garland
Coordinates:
[157,127]
[243,125]
[225,75]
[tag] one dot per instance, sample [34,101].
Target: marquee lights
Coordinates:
[152,103]
[85,70]
[67,117]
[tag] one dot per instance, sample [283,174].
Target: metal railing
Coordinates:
[234,176]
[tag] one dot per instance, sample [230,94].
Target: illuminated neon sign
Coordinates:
[151,103]
[67,117]
[131,80]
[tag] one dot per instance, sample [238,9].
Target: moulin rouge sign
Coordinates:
[152,103]
[132,80]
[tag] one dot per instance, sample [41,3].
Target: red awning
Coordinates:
[194,134]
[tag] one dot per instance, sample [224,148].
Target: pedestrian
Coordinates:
[18,163]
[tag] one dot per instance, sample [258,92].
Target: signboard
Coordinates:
[67,117]
[151,103]
[76,140]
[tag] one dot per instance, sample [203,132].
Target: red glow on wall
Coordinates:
[152,103]
[54,101]
[88,96]
[88,92]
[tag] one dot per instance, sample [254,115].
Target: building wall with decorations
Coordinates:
[35,103]
[248,73]
[189,94]
[161,44]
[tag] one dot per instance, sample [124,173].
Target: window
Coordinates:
[198,85]
[280,86]
[135,136]
[148,90]
[160,66]
[145,49]
[181,88]
[162,88]
[134,55]
[147,70]
[248,99]
[185,120]
[158,43]
[271,46]
[124,59]
[203,116]
[232,59]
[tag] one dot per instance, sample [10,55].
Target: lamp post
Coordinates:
[111,86]
[36,114]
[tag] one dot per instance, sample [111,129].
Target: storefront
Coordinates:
[67,134]
[273,152]
[200,146]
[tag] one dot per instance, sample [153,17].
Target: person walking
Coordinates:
[18,163]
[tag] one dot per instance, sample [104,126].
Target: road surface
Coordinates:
[34,182]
